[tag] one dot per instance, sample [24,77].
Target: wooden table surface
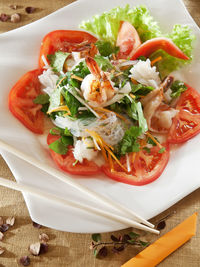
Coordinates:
[68,249]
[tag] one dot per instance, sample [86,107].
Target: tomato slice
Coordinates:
[63,40]
[146,167]
[152,45]
[65,162]
[128,40]
[21,101]
[186,123]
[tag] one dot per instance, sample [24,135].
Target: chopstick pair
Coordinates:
[70,181]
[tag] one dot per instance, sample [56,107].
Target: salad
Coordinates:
[110,92]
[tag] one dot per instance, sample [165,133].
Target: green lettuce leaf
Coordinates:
[106,26]
[57,60]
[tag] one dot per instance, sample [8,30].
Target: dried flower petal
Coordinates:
[30,9]
[114,238]
[10,221]
[1,250]
[4,227]
[35,248]
[118,249]
[13,7]
[4,17]
[25,260]
[15,18]
[43,237]
[36,225]
[43,248]
[1,236]
[103,252]
[161,225]
[1,221]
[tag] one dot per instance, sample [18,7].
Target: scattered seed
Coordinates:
[161,225]
[1,236]
[13,7]
[1,221]
[25,260]
[30,9]
[15,18]
[43,248]
[43,237]
[10,221]
[36,225]
[35,249]
[4,17]
[1,250]
[4,227]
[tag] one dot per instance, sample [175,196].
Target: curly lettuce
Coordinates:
[106,27]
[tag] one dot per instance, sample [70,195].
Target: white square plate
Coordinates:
[19,51]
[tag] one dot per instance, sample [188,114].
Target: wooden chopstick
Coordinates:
[70,181]
[39,193]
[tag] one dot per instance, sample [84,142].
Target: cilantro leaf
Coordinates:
[177,87]
[57,60]
[41,99]
[140,89]
[106,48]
[129,142]
[60,146]
[103,63]
[72,103]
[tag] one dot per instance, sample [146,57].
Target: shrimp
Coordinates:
[97,88]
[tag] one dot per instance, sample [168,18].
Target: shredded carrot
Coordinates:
[132,95]
[134,81]
[114,57]
[105,148]
[156,60]
[61,108]
[118,74]
[61,100]
[76,77]
[111,163]
[60,82]
[153,138]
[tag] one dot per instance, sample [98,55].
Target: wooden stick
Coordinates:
[70,181]
[34,191]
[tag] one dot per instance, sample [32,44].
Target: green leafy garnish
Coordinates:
[57,60]
[177,88]
[60,131]
[162,150]
[103,63]
[142,58]
[96,237]
[106,48]
[140,89]
[60,146]
[129,143]
[41,99]
[72,103]
[106,25]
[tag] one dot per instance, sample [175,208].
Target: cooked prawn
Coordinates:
[96,87]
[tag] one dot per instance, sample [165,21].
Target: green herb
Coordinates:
[57,60]
[60,146]
[139,89]
[72,103]
[117,244]
[162,150]
[103,63]
[41,99]
[55,99]
[177,87]
[96,237]
[106,48]
[151,142]
[143,58]
[129,143]
[147,149]
[81,70]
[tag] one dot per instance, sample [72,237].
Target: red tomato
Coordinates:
[21,101]
[145,168]
[63,40]
[128,40]
[152,45]
[186,123]
[65,162]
